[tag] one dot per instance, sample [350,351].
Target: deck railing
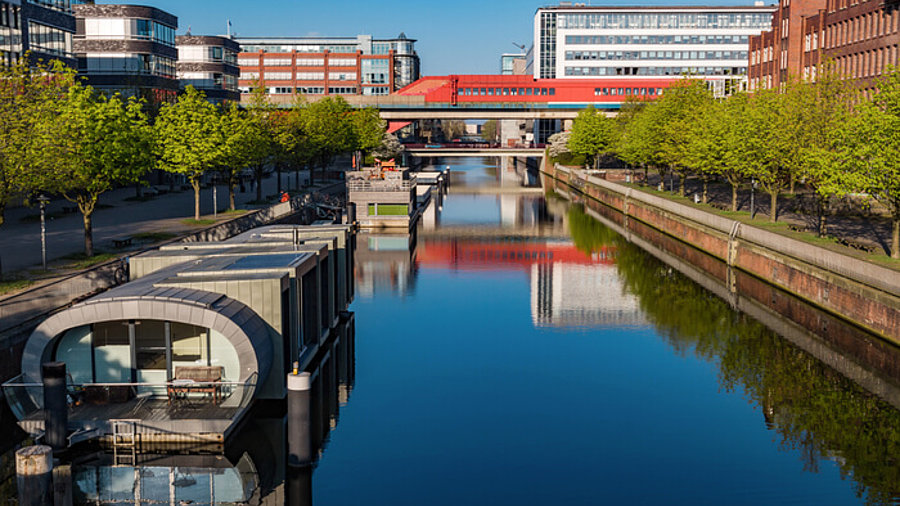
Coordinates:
[26,396]
[364,185]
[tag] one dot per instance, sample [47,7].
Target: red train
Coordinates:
[498,89]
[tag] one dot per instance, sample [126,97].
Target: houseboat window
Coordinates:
[112,352]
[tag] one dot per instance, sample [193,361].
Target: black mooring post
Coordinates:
[56,410]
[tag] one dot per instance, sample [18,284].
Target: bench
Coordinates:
[123,241]
[194,379]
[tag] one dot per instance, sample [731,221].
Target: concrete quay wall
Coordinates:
[859,292]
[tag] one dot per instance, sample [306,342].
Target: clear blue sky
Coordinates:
[457,36]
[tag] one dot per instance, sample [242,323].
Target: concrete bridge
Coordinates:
[426,152]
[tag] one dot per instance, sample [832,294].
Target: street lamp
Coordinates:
[753,199]
[43,201]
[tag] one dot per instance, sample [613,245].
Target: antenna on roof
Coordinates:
[228,28]
[520,46]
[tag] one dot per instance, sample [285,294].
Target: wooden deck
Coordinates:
[155,419]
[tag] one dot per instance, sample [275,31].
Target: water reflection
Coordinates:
[249,469]
[817,410]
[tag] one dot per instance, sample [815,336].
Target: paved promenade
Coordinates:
[20,240]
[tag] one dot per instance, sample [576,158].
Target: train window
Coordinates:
[512,91]
[659,91]
[621,91]
[628,91]
[643,91]
[596,92]
[543,91]
[552,92]
[521,91]
[490,92]
[537,91]
[497,91]
[505,91]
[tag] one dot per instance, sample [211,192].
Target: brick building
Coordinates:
[860,36]
[327,66]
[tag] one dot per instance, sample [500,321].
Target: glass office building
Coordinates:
[585,41]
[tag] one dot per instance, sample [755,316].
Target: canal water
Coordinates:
[516,351]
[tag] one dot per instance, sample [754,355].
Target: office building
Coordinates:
[358,65]
[861,39]
[41,28]
[578,41]
[129,49]
[209,63]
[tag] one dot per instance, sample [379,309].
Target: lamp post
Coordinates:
[753,199]
[215,180]
[43,201]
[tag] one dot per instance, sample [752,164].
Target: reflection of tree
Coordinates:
[814,409]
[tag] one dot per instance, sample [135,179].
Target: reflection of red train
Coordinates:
[476,255]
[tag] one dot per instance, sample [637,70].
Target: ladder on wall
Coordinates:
[124,441]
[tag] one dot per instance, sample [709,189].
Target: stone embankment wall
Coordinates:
[862,293]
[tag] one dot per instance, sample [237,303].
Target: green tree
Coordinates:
[593,134]
[490,131]
[188,139]
[768,149]
[824,111]
[262,148]
[330,130]
[710,146]
[108,142]
[453,128]
[676,112]
[874,144]
[29,105]
[390,147]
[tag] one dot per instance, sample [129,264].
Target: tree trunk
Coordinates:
[734,197]
[232,185]
[773,213]
[278,174]
[195,182]
[681,181]
[705,191]
[88,233]
[137,190]
[259,178]
[895,237]
[823,220]
[792,184]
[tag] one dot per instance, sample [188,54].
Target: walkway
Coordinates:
[20,236]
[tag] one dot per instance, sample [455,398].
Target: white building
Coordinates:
[578,41]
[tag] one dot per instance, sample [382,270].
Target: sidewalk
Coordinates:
[20,241]
[866,230]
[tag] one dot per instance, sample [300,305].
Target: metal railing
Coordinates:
[363,185]
[26,396]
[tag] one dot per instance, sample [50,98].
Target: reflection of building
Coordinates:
[357,65]
[210,65]
[565,294]
[128,49]
[385,261]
